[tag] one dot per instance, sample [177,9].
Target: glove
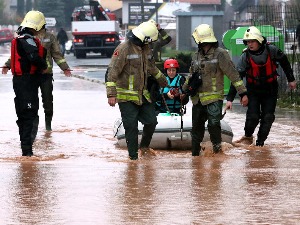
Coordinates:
[194,82]
[174,92]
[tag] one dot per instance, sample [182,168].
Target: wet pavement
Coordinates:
[80,176]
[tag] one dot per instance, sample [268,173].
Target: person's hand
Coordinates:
[182,96]
[112,101]
[44,71]
[293,85]
[170,95]
[5,70]
[244,101]
[228,105]
[67,73]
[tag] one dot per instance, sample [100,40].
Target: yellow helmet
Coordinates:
[34,19]
[146,32]
[204,34]
[252,33]
[152,21]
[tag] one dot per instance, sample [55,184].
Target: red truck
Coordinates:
[94,30]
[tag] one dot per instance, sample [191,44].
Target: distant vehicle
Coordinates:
[94,30]
[6,35]
[122,38]
[69,47]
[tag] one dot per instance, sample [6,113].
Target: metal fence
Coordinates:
[284,18]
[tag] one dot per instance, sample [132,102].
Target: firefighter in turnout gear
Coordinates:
[208,67]
[170,99]
[51,44]
[162,40]
[27,65]
[258,64]
[126,84]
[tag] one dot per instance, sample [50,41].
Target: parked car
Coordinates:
[6,35]
[69,46]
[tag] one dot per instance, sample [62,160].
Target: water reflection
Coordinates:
[34,195]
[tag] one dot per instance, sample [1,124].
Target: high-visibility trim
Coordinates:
[133,56]
[127,97]
[110,84]
[61,61]
[157,76]
[125,91]
[214,84]
[238,83]
[211,97]
[165,37]
[130,82]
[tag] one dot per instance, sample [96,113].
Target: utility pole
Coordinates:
[142,10]
[283,14]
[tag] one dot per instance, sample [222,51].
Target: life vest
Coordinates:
[171,103]
[16,58]
[260,74]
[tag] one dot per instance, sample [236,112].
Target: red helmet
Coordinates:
[171,63]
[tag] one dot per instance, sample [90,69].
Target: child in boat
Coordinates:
[169,99]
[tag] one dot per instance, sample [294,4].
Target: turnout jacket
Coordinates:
[50,43]
[127,73]
[213,66]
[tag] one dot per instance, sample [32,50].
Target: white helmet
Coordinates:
[252,33]
[204,34]
[34,19]
[146,32]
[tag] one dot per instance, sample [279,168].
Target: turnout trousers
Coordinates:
[200,114]
[27,106]
[131,114]
[46,86]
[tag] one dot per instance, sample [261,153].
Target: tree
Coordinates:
[53,8]
[2,11]
[61,10]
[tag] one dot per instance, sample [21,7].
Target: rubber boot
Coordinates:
[259,143]
[34,129]
[217,148]
[26,150]
[245,140]
[48,121]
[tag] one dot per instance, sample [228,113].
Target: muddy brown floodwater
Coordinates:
[80,176]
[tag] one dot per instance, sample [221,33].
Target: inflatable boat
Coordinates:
[169,134]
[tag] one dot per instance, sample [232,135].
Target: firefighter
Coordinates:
[205,85]
[258,64]
[27,64]
[51,44]
[169,99]
[162,40]
[126,82]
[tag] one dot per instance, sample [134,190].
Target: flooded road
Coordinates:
[80,176]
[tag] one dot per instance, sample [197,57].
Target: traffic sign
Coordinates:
[50,21]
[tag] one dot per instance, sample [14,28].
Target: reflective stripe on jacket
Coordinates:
[213,66]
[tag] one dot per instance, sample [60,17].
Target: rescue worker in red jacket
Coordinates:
[27,64]
[126,84]
[258,65]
